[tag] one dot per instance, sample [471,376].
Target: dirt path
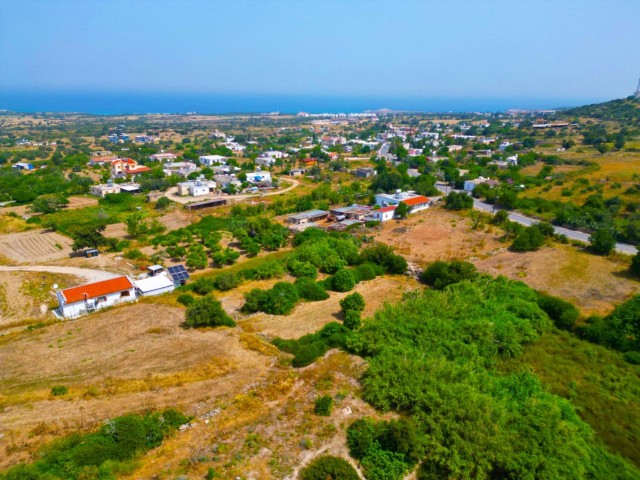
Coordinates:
[86,273]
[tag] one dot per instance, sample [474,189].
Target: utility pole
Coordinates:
[638,89]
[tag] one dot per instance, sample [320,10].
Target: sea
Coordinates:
[122,103]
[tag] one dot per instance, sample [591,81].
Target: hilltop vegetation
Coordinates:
[626,111]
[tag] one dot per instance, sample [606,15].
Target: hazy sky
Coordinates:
[517,48]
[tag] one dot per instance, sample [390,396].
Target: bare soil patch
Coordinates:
[35,246]
[437,234]
[81,202]
[178,218]
[115,230]
[594,284]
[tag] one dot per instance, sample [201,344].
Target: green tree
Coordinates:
[354,301]
[458,201]
[324,405]
[402,210]
[88,236]
[603,240]
[49,203]
[136,224]
[207,312]
[343,281]
[329,468]
[528,239]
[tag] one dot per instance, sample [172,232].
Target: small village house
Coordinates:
[76,301]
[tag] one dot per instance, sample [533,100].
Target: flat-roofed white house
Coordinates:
[209,160]
[87,298]
[155,285]
[105,189]
[258,177]
[163,157]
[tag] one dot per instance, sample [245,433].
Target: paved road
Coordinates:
[524,220]
[384,152]
[87,273]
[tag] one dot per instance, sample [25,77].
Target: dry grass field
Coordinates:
[128,359]
[26,297]
[35,246]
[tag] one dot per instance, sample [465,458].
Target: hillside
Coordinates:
[624,110]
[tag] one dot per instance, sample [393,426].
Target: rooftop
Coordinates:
[97,289]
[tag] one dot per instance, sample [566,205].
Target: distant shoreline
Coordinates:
[110,103]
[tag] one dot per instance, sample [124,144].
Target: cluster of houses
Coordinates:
[342,218]
[88,298]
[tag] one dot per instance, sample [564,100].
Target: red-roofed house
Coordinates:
[126,166]
[384,214]
[411,199]
[87,298]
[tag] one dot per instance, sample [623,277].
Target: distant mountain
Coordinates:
[624,110]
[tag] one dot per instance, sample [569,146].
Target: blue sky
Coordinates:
[518,48]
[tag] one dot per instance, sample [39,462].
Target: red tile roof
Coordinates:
[97,289]
[390,208]
[413,201]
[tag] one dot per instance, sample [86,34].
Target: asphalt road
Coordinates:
[528,221]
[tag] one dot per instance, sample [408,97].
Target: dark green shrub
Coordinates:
[59,390]
[302,269]
[528,239]
[227,281]
[329,468]
[310,290]
[324,405]
[185,299]
[343,281]
[632,357]
[564,314]
[203,285]
[133,254]
[384,256]
[207,312]
[603,241]
[365,271]
[279,300]
[252,300]
[269,270]
[352,319]
[635,265]
[458,201]
[440,274]
[354,302]
[308,348]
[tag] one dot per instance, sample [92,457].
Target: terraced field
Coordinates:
[35,246]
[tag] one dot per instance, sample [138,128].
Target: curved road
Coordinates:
[87,273]
[528,221]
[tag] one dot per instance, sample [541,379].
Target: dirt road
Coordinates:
[86,273]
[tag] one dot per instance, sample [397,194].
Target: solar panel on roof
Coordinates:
[178,273]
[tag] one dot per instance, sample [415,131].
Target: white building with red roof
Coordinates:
[384,214]
[414,201]
[76,301]
[127,166]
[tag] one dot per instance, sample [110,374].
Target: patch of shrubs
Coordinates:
[323,405]
[343,280]
[310,347]
[352,307]
[59,390]
[386,450]
[100,455]
[441,274]
[311,290]
[207,312]
[279,300]
[185,299]
[329,468]
[384,256]
[302,269]
[227,281]
[564,314]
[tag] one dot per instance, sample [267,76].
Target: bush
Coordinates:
[352,319]
[184,298]
[354,302]
[207,312]
[268,270]
[632,357]
[528,239]
[343,281]
[603,241]
[280,300]
[59,390]
[458,201]
[635,265]
[365,271]
[162,203]
[324,405]
[203,286]
[134,254]
[302,269]
[227,281]
[440,274]
[308,348]
[384,256]
[310,290]
[329,468]
[564,314]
